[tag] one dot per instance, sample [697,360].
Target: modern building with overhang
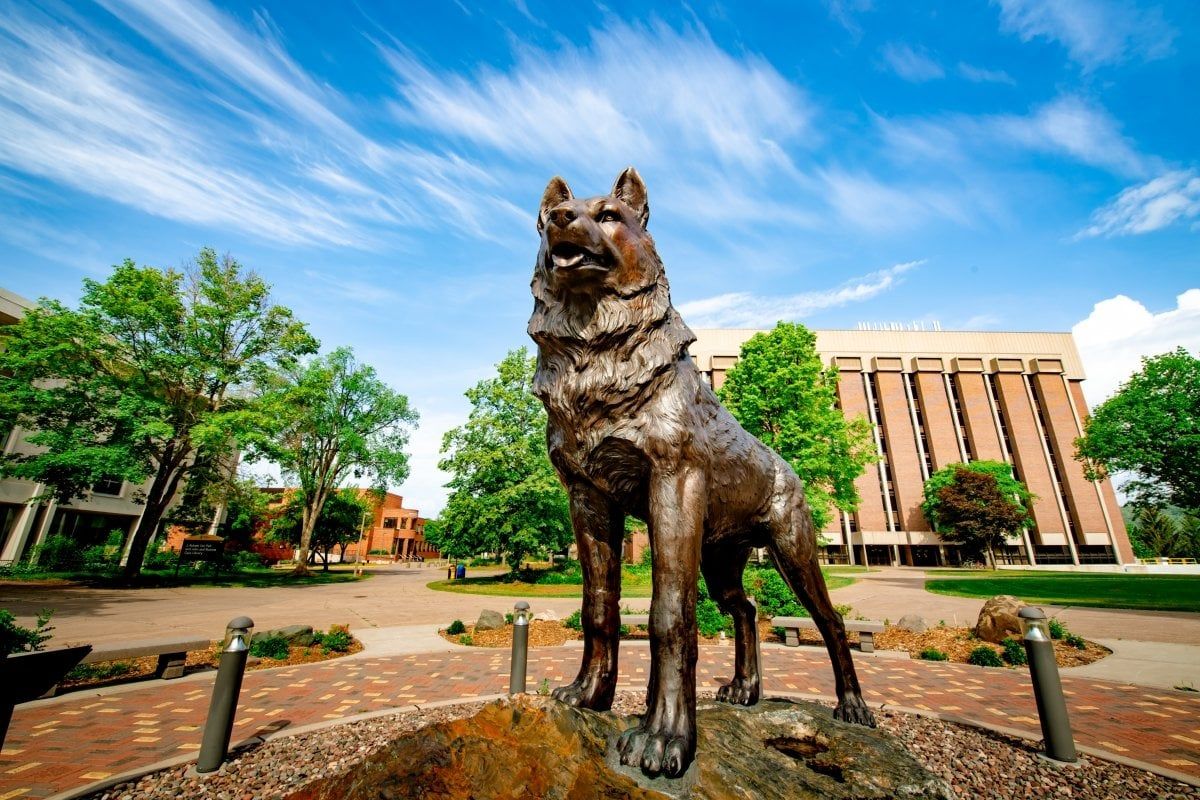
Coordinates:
[937,397]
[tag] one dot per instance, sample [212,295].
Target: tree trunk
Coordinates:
[162,490]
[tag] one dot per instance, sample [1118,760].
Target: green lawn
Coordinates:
[634,583]
[1147,592]
[258,578]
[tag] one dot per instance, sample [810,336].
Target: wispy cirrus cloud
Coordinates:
[980,75]
[1095,32]
[913,65]
[645,93]
[74,115]
[746,310]
[1150,206]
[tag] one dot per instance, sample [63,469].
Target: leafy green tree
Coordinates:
[504,494]
[1151,428]
[780,392]
[978,505]
[338,524]
[334,419]
[151,370]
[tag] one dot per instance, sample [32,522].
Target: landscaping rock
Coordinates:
[546,616]
[998,619]
[913,622]
[538,747]
[296,635]
[489,621]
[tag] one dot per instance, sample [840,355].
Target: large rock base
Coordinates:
[534,747]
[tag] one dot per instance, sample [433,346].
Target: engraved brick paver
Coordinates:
[53,747]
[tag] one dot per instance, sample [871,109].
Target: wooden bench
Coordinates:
[865,628]
[172,653]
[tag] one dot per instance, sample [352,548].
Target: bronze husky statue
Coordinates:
[635,429]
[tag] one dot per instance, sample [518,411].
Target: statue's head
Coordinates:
[597,245]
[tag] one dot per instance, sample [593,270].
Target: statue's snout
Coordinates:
[562,216]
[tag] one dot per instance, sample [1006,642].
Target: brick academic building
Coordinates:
[939,397]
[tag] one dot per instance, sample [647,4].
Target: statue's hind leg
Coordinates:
[794,547]
[722,568]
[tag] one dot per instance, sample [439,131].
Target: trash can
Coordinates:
[460,571]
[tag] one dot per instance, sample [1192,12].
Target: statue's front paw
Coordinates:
[854,710]
[584,694]
[740,692]
[656,752]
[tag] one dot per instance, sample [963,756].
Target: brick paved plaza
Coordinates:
[69,742]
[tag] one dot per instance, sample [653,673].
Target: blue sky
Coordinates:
[991,165]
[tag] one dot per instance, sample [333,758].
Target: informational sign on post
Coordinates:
[202,548]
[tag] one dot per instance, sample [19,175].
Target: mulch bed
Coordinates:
[975,763]
[956,643]
[198,661]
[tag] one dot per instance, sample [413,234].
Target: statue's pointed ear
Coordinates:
[630,190]
[556,192]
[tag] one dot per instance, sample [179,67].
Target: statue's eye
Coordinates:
[608,215]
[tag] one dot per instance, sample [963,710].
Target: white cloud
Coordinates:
[1067,126]
[745,310]
[981,75]
[1120,331]
[915,66]
[1073,127]
[631,94]
[844,12]
[872,205]
[77,117]
[1149,206]
[1095,32]
[425,488]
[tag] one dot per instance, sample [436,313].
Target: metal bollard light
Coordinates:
[1047,688]
[520,648]
[219,725]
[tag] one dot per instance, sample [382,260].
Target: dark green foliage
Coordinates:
[337,640]
[568,573]
[771,593]
[456,628]
[1075,641]
[933,654]
[245,561]
[509,618]
[977,505]
[16,638]
[1057,629]
[275,647]
[1014,652]
[466,640]
[504,495]
[984,656]
[1151,428]
[1156,533]
[782,393]
[99,672]
[58,552]
[574,621]
[709,619]
[159,559]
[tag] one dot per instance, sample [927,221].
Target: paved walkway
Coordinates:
[71,741]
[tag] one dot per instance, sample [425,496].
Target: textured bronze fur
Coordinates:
[635,429]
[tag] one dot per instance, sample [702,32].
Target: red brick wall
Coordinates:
[938,417]
[905,461]
[852,396]
[980,426]
[1028,454]
[1119,533]
[1082,501]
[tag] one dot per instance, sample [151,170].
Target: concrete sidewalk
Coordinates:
[1155,664]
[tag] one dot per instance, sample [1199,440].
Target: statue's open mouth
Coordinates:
[568,255]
